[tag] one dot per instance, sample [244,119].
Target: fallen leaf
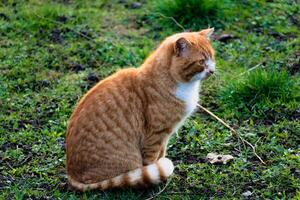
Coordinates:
[214,158]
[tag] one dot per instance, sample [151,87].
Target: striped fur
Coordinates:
[150,174]
[122,125]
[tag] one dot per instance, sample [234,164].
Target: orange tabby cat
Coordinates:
[117,134]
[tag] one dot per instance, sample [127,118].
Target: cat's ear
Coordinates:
[207,32]
[181,46]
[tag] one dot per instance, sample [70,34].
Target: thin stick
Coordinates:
[172,18]
[249,70]
[216,117]
[161,191]
[234,131]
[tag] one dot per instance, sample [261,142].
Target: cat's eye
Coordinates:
[201,62]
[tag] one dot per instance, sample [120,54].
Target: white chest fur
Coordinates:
[189,94]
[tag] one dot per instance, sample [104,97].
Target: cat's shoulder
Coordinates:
[124,73]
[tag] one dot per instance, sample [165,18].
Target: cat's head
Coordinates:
[193,56]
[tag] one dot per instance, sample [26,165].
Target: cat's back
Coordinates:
[109,94]
[113,103]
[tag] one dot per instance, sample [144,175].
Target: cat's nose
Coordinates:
[211,72]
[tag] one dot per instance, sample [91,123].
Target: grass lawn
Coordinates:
[52,52]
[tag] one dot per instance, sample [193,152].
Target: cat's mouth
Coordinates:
[208,73]
[210,68]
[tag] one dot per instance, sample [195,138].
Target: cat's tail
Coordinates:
[150,174]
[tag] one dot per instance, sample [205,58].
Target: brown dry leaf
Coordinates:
[214,158]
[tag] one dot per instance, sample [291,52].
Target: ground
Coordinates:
[52,52]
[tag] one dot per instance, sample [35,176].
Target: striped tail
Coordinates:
[150,174]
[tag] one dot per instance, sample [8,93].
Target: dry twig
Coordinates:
[249,70]
[161,191]
[233,131]
[216,117]
[172,18]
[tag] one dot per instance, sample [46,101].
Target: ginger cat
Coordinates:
[118,133]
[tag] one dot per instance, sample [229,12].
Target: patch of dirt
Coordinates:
[293,64]
[123,1]
[281,37]
[24,122]
[62,18]
[7,146]
[6,181]
[56,36]
[61,142]
[135,5]
[295,19]
[4,17]
[86,32]
[46,113]
[190,159]
[225,38]
[39,117]
[121,30]
[181,173]
[93,77]
[278,36]
[296,172]
[91,80]
[41,84]
[76,67]
[273,116]
[136,22]
[64,185]
[26,149]
[185,157]
[44,83]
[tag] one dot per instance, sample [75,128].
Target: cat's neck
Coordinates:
[156,68]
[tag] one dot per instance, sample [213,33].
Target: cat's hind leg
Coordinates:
[162,152]
[154,148]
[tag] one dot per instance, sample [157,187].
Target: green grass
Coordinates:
[259,92]
[52,52]
[195,14]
